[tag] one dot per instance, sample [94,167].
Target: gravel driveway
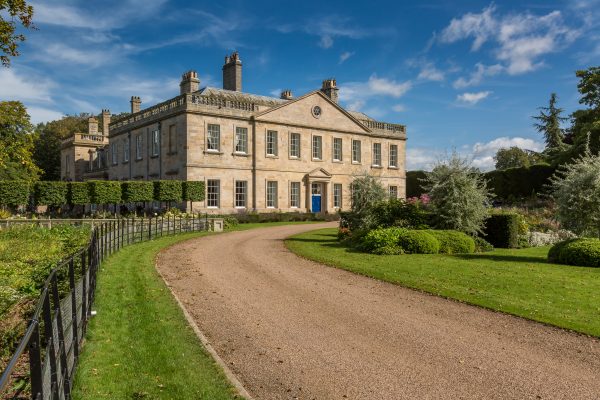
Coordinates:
[289,328]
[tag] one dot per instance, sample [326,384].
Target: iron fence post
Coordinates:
[35,363]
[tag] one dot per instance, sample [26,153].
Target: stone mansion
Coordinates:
[255,153]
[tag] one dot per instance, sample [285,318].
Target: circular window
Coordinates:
[316,111]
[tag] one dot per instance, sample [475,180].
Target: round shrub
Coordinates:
[418,242]
[382,241]
[584,252]
[482,245]
[453,242]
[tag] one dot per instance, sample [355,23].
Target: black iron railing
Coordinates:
[54,336]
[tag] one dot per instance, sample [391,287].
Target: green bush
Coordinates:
[482,245]
[584,252]
[167,191]
[502,230]
[105,192]
[137,191]
[193,190]
[78,193]
[14,193]
[414,183]
[453,242]
[382,241]
[397,212]
[515,183]
[50,193]
[418,242]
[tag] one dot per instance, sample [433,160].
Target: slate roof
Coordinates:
[240,96]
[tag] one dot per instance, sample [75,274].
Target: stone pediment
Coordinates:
[318,173]
[314,110]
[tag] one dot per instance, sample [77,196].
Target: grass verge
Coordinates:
[140,346]
[519,282]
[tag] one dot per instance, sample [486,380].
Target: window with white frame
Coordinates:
[393,192]
[317,147]
[126,150]
[271,194]
[213,193]
[295,195]
[337,149]
[213,137]
[337,195]
[114,153]
[356,151]
[394,155]
[241,193]
[377,154]
[172,139]
[271,143]
[241,140]
[155,142]
[295,145]
[139,140]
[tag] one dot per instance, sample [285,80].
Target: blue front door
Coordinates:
[316,203]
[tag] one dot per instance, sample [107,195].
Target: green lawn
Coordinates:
[518,282]
[140,346]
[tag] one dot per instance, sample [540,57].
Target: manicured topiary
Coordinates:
[414,183]
[418,242]
[502,230]
[482,245]
[382,241]
[137,191]
[78,193]
[50,193]
[167,191]
[584,252]
[105,192]
[14,193]
[453,242]
[193,190]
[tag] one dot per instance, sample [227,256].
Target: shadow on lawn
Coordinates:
[501,257]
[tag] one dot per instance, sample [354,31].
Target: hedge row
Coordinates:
[57,193]
[583,252]
[393,241]
[502,230]
[507,184]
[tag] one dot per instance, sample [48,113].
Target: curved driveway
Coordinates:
[290,328]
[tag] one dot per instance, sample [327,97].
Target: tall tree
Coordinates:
[515,157]
[589,86]
[549,124]
[49,137]
[17,10]
[16,143]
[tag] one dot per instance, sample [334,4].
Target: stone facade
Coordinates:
[255,153]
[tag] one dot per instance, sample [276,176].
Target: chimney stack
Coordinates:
[330,89]
[92,126]
[105,121]
[287,94]
[189,82]
[136,104]
[232,72]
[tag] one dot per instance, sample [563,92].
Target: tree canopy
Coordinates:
[515,157]
[20,13]
[16,143]
[549,124]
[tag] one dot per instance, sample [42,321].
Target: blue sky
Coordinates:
[466,75]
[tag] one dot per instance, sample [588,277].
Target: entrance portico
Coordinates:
[317,190]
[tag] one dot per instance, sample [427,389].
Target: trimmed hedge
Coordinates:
[382,241]
[453,242]
[418,242]
[515,183]
[193,190]
[482,245]
[137,191]
[584,252]
[78,193]
[167,190]
[502,230]
[14,193]
[105,192]
[414,183]
[50,193]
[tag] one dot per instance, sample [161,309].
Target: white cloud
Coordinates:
[430,73]
[345,55]
[275,92]
[28,87]
[477,76]
[150,91]
[356,105]
[399,108]
[356,94]
[326,41]
[472,98]
[483,153]
[41,114]
[520,39]
[419,158]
